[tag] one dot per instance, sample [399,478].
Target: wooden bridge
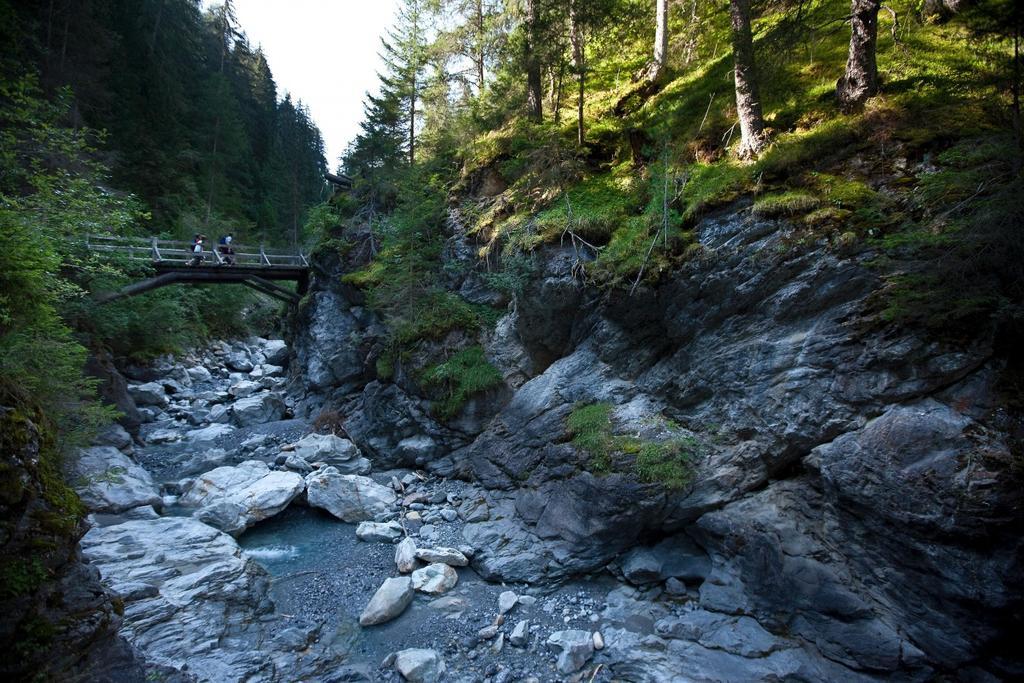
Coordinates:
[171,260]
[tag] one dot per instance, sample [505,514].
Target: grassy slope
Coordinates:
[836,174]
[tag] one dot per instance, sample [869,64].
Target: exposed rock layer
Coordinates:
[852,484]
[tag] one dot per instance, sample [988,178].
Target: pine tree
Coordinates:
[748,98]
[860,80]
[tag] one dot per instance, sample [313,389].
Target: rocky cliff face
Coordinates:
[56,621]
[854,486]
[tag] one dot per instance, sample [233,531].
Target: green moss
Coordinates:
[21,576]
[709,185]
[665,462]
[791,203]
[590,427]
[465,374]
[593,209]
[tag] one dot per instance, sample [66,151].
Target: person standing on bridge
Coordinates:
[226,250]
[197,250]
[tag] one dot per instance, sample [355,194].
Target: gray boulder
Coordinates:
[420,666]
[349,497]
[405,555]
[109,481]
[390,600]
[114,435]
[239,361]
[198,373]
[209,434]
[520,635]
[148,394]
[575,648]
[276,352]
[332,450]
[257,409]
[243,389]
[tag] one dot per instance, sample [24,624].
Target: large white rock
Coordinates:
[332,450]
[382,532]
[390,600]
[418,665]
[349,497]
[148,394]
[435,579]
[575,649]
[449,556]
[257,409]
[234,498]
[109,481]
[405,555]
[191,598]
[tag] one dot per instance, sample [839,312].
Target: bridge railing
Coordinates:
[155,250]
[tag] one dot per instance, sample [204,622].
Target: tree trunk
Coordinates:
[748,99]
[480,46]
[861,78]
[579,64]
[412,122]
[534,94]
[657,69]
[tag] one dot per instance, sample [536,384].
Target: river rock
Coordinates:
[209,434]
[575,649]
[405,555]
[506,601]
[109,481]
[349,497]
[257,409]
[114,435]
[243,389]
[239,361]
[276,352]
[234,498]
[272,370]
[520,635]
[448,556]
[390,600]
[198,373]
[219,414]
[420,665]
[381,532]
[333,450]
[434,579]
[148,394]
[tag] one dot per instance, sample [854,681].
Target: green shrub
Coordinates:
[665,462]
[466,373]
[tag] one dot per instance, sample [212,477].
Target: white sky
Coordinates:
[324,52]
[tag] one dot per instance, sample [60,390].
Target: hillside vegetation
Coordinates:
[925,174]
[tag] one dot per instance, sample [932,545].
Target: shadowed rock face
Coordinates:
[57,622]
[852,485]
